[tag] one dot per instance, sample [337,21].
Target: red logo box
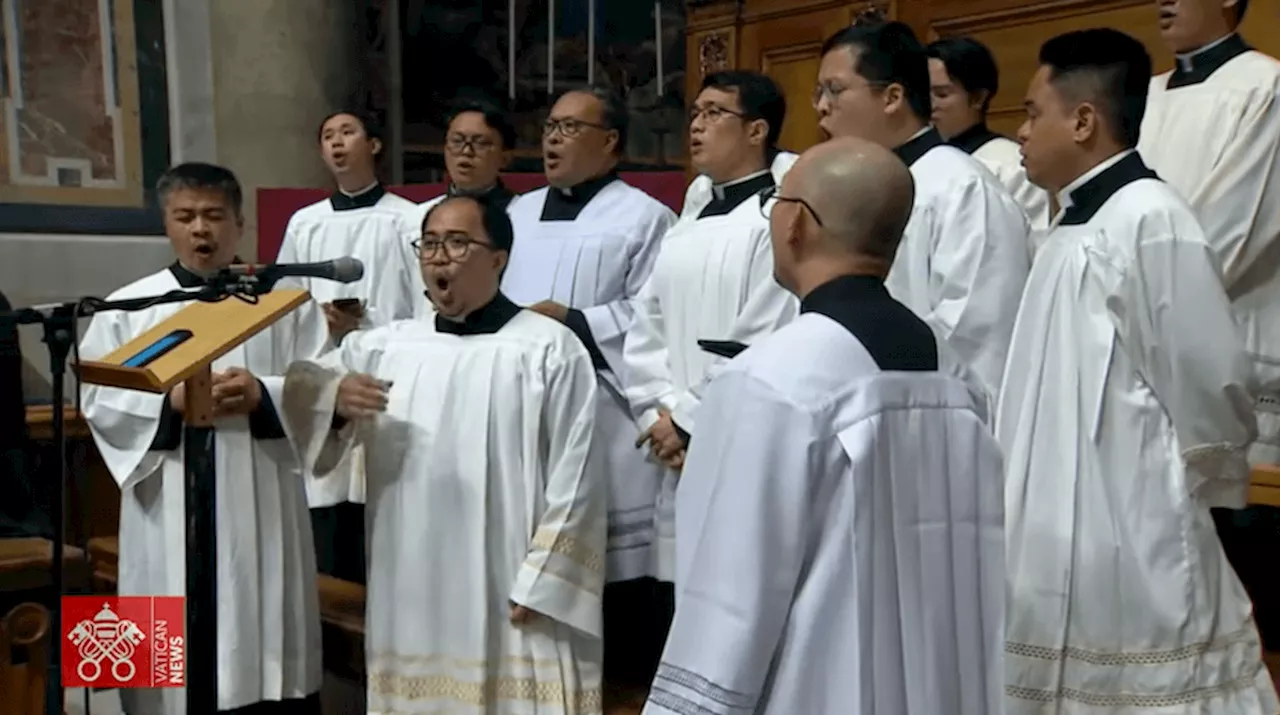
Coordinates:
[124,642]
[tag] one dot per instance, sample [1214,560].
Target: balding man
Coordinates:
[839,528]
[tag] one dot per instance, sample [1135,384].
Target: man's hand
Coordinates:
[178,398]
[235,392]
[663,438]
[551,309]
[342,321]
[520,614]
[676,462]
[361,396]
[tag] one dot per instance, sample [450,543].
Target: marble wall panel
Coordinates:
[74,136]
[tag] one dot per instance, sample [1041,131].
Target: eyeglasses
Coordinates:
[830,91]
[770,198]
[458,144]
[568,127]
[712,114]
[456,246]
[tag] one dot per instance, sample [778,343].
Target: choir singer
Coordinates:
[839,532]
[1126,411]
[268,610]
[486,534]
[965,254]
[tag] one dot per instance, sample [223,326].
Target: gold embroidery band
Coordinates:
[1132,700]
[565,545]
[483,694]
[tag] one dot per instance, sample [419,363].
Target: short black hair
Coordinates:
[372,128]
[1242,6]
[1106,67]
[494,219]
[494,118]
[758,95]
[970,64]
[888,53]
[201,177]
[614,110]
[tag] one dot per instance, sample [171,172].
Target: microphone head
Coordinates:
[347,269]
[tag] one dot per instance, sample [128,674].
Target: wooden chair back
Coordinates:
[24,658]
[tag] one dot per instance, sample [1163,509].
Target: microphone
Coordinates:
[342,270]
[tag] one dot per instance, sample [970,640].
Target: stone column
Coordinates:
[251,80]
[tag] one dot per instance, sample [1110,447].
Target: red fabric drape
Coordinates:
[275,206]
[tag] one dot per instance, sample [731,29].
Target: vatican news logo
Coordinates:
[124,642]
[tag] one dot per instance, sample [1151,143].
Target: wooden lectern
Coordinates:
[1264,487]
[211,330]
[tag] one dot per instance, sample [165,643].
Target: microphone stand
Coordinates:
[59,322]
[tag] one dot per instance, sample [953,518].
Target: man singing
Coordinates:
[478,144]
[714,276]
[363,220]
[1212,130]
[965,255]
[587,246]
[1126,411]
[487,534]
[269,658]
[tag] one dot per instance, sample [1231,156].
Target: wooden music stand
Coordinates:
[1264,487]
[216,329]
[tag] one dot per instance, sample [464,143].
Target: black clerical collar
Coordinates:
[919,145]
[188,278]
[497,195]
[1089,197]
[727,196]
[566,204]
[890,332]
[486,320]
[362,200]
[1195,67]
[841,290]
[973,138]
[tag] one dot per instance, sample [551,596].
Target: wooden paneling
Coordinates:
[93,498]
[1261,25]
[783,37]
[1015,34]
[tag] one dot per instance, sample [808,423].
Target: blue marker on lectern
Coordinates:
[157,349]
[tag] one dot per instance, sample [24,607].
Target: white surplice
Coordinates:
[1003,158]
[375,227]
[596,264]
[1124,417]
[840,540]
[1212,130]
[713,280]
[477,497]
[964,256]
[268,610]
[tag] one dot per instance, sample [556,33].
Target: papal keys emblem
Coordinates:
[106,637]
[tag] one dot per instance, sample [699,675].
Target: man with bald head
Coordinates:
[839,526]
